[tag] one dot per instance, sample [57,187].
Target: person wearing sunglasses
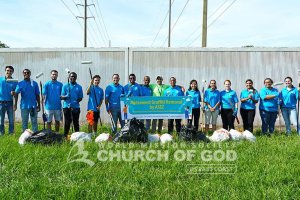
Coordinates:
[30,100]
[132,88]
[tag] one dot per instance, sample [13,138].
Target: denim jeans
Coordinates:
[6,107]
[33,117]
[147,124]
[290,116]
[116,114]
[268,121]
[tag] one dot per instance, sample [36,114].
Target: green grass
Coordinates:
[266,169]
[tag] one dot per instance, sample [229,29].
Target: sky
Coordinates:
[139,23]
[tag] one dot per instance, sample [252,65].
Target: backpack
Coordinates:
[133,131]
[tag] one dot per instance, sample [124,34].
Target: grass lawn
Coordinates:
[266,169]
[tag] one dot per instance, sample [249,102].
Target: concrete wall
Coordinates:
[236,64]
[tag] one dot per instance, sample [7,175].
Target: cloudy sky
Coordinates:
[139,23]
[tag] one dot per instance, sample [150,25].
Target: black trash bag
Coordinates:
[45,137]
[189,133]
[133,131]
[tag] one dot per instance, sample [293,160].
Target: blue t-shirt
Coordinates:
[75,94]
[146,91]
[228,99]
[29,90]
[6,88]
[132,90]
[212,97]
[112,95]
[196,96]
[249,104]
[52,92]
[92,104]
[173,91]
[270,105]
[289,98]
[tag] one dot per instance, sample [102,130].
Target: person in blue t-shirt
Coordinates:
[51,95]
[173,91]
[268,106]
[72,95]
[147,91]
[30,100]
[132,88]
[229,106]
[194,92]
[249,97]
[96,95]
[7,90]
[289,97]
[113,93]
[212,105]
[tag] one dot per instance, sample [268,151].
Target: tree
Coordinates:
[3,45]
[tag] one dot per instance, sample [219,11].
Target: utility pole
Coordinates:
[85,21]
[204,24]
[169,38]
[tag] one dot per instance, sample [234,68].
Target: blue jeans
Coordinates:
[116,114]
[6,107]
[290,116]
[147,124]
[268,121]
[33,117]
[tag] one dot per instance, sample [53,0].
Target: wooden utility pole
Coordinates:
[204,24]
[169,38]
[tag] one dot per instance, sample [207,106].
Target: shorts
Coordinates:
[56,113]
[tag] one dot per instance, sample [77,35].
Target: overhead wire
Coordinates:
[209,16]
[99,32]
[162,24]
[210,24]
[74,17]
[177,20]
[101,16]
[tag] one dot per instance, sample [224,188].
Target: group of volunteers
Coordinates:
[214,102]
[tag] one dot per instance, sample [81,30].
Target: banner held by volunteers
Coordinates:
[156,107]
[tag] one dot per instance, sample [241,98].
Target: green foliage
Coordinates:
[266,169]
[3,45]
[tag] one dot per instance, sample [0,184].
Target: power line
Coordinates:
[221,14]
[74,17]
[199,27]
[101,16]
[177,19]
[217,9]
[161,25]
[99,24]
[101,36]
[213,21]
